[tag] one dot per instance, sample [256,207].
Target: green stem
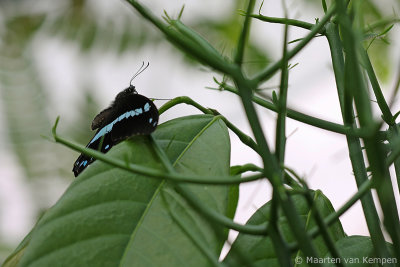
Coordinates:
[394,142]
[187,40]
[286,21]
[354,85]
[307,119]
[183,100]
[206,48]
[196,241]
[363,190]
[322,226]
[394,158]
[381,23]
[170,169]
[271,167]
[247,140]
[355,150]
[191,198]
[239,169]
[244,35]
[137,169]
[218,218]
[280,144]
[281,247]
[380,99]
[270,70]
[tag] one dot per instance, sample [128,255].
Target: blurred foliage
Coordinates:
[23,98]
[224,34]
[378,46]
[78,22]
[376,19]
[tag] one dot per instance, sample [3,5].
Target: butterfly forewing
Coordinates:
[140,119]
[130,114]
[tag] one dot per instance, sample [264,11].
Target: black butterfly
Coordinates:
[130,114]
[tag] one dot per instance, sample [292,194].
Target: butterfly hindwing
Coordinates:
[130,114]
[101,118]
[102,144]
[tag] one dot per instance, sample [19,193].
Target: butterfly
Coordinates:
[128,115]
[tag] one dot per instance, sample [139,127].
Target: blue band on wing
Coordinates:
[83,163]
[106,129]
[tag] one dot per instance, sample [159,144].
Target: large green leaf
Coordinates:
[110,217]
[357,251]
[260,250]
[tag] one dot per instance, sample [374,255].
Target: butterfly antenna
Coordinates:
[140,70]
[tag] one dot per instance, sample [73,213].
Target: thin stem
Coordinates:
[362,191]
[196,241]
[333,217]
[393,158]
[183,100]
[207,212]
[280,144]
[217,217]
[395,90]
[137,169]
[355,86]
[238,169]
[244,34]
[395,153]
[271,167]
[355,150]
[281,247]
[191,198]
[270,70]
[381,23]
[187,40]
[286,21]
[380,99]
[322,226]
[247,140]
[307,119]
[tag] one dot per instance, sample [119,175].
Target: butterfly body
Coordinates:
[130,114]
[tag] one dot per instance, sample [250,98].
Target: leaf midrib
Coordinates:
[156,192]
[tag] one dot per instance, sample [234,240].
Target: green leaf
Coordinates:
[260,250]
[110,217]
[14,258]
[358,251]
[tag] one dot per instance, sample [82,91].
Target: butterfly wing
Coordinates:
[140,119]
[101,119]
[135,115]
[101,143]
[121,102]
